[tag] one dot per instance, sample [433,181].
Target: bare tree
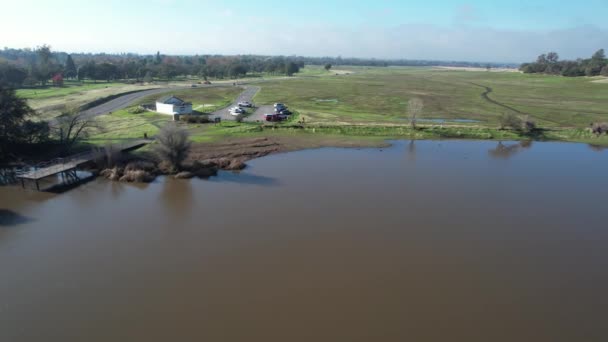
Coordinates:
[73,126]
[510,120]
[173,145]
[414,108]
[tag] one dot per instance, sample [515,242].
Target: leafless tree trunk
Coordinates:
[414,108]
[73,126]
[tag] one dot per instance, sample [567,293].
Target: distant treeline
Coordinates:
[550,64]
[337,61]
[26,67]
[39,66]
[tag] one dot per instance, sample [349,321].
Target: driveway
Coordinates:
[246,96]
[258,114]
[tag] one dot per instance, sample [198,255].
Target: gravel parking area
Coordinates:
[246,96]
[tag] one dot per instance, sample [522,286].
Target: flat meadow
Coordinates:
[380,95]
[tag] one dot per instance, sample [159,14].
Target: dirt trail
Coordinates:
[486,96]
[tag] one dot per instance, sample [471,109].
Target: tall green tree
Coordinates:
[11,75]
[291,68]
[15,124]
[158,59]
[70,70]
[599,55]
[44,70]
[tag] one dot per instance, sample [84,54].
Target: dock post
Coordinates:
[37,185]
[22,183]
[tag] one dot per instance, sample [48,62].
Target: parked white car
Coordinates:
[245,104]
[236,111]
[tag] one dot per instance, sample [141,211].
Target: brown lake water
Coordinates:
[423,241]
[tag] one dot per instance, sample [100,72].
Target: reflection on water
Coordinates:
[424,241]
[11,218]
[411,151]
[246,178]
[177,197]
[506,151]
[598,148]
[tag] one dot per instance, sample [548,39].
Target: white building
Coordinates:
[173,105]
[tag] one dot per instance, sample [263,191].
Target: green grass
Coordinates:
[215,132]
[203,100]
[121,126]
[372,102]
[70,87]
[380,95]
[211,133]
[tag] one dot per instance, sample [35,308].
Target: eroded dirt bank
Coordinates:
[206,159]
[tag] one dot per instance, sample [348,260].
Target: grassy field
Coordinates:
[372,102]
[122,125]
[50,102]
[380,95]
[203,99]
[69,88]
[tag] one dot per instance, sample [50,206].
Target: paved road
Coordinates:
[123,101]
[127,100]
[246,96]
[120,103]
[258,115]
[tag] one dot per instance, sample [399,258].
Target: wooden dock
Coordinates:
[67,166]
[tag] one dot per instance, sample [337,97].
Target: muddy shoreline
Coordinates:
[206,159]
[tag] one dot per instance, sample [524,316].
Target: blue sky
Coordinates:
[474,30]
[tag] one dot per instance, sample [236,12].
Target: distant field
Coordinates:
[70,87]
[380,95]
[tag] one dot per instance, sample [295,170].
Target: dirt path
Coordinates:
[486,95]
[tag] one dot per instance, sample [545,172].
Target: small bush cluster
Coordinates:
[510,120]
[194,119]
[239,118]
[134,172]
[137,110]
[599,128]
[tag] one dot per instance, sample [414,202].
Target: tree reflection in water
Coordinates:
[411,151]
[598,148]
[177,197]
[506,151]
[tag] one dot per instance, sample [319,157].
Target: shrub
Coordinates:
[137,110]
[194,119]
[510,120]
[137,176]
[141,165]
[173,145]
[528,125]
[107,156]
[599,128]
